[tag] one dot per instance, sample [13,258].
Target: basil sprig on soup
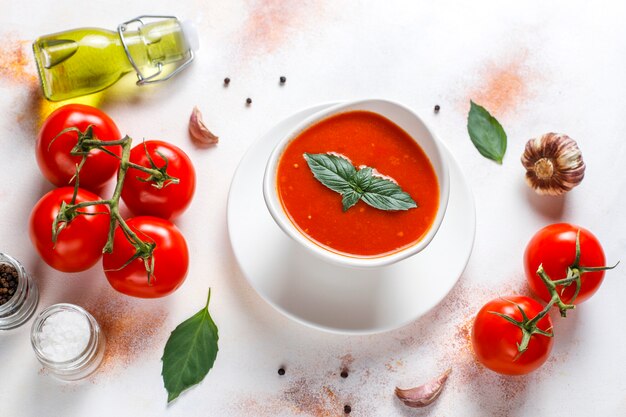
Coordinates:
[337,173]
[357,184]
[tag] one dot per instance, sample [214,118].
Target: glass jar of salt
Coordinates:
[67,341]
[18,293]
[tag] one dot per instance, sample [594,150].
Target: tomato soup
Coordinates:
[366,139]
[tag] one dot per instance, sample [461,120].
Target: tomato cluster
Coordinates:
[564,266]
[79,149]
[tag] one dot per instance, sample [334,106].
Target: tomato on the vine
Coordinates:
[53,155]
[171,259]
[142,197]
[495,340]
[79,243]
[554,247]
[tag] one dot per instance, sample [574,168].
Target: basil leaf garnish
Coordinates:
[338,174]
[486,133]
[362,179]
[189,353]
[385,193]
[333,171]
[349,199]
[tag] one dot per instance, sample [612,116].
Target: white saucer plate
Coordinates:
[333,298]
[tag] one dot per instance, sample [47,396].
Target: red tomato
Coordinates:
[142,198]
[53,157]
[495,340]
[554,246]
[79,245]
[171,259]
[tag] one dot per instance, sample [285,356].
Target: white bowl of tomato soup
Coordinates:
[360,184]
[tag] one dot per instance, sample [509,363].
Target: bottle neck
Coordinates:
[158,43]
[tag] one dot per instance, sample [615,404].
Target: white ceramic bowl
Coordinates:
[409,122]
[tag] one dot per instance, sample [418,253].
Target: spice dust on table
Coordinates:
[502,86]
[271,23]
[131,329]
[16,66]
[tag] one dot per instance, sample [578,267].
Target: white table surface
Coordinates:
[539,66]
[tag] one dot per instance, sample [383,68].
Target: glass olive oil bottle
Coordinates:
[83,61]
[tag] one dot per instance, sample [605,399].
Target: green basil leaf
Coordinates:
[384,194]
[333,171]
[338,174]
[349,199]
[362,179]
[189,353]
[486,133]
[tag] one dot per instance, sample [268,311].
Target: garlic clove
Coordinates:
[424,394]
[554,164]
[198,130]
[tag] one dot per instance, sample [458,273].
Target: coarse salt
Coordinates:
[64,336]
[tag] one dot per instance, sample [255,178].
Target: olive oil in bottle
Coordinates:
[83,61]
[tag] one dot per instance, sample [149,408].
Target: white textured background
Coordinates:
[560,67]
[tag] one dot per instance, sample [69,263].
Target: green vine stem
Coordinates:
[158,176]
[574,276]
[527,326]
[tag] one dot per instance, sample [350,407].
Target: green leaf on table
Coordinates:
[190,352]
[486,133]
[338,174]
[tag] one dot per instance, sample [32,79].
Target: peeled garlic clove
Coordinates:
[554,164]
[198,131]
[425,394]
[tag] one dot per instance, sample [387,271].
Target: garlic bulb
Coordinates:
[554,164]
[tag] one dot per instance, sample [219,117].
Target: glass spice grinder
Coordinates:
[23,302]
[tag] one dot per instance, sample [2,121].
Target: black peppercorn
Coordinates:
[248,101]
[8,282]
[283,79]
[281,371]
[226,81]
[347,409]
[344,373]
[437,108]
